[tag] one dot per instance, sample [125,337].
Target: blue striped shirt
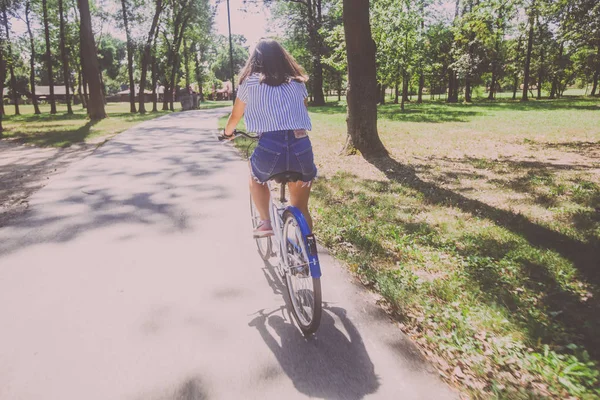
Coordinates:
[274,108]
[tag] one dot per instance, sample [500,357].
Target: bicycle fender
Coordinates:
[309,241]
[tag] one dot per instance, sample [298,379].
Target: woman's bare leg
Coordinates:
[260,195]
[299,194]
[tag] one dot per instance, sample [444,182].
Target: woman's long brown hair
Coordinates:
[274,64]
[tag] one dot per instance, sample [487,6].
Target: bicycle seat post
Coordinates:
[282,198]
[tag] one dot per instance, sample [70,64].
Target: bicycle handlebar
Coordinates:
[236,133]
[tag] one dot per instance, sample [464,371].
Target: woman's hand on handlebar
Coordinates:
[226,136]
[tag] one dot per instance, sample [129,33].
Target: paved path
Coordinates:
[134,276]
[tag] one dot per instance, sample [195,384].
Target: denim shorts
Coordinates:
[281,151]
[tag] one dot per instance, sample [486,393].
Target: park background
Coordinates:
[479,227]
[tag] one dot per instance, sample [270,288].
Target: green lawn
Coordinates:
[62,130]
[481,231]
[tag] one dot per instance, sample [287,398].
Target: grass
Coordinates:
[63,130]
[481,231]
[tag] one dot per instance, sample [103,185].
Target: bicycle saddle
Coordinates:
[285,177]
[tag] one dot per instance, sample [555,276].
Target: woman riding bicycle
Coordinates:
[272,97]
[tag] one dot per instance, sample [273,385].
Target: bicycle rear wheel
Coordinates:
[304,290]
[264,244]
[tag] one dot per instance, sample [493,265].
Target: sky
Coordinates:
[250,20]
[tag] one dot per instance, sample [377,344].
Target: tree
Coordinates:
[125,9]
[158,9]
[49,57]
[89,60]
[526,72]
[362,80]
[64,56]
[221,66]
[308,15]
[32,58]
[11,61]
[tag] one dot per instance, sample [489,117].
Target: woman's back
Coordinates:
[274,108]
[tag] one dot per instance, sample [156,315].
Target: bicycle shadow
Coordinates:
[333,364]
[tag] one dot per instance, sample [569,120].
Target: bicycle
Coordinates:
[296,248]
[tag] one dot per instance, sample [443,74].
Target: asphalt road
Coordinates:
[133,275]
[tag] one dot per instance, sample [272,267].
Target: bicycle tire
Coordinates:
[298,275]
[264,245]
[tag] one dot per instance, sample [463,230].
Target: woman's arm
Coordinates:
[236,115]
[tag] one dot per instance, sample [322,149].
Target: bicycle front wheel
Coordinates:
[263,244]
[304,290]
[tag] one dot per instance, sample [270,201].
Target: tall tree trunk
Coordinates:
[492,85]
[540,71]
[404,89]
[86,95]
[129,58]
[89,60]
[154,82]
[396,92]
[468,89]
[80,89]
[2,79]
[529,50]
[186,60]
[49,57]
[146,53]
[63,55]
[362,80]
[405,82]
[199,77]
[11,62]
[176,61]
[421,86]
[34,99]
[516,77]
[596,73]
[314,22]
[339,87]
[595,81]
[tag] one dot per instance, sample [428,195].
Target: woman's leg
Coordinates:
[260,194]
[299,194]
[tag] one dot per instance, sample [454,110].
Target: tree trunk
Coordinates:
[404,90]
[49,57]
[186,60]
[421,86]
[362,80]
[314,22]
[492,85]
[595,81]
[146,54]
[64,56]
[80,88]
[468,89]
[154,79]
[89,60]
[339,87]
[516,77]
[2,79]
[34,100]
[11,62]
[596,73]
[86,95]
[396,93]
[540,75]
[199,77]
[529,50]
[382,94]
[405,86]
[129,58]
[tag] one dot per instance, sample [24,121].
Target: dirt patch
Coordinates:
[26,169]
